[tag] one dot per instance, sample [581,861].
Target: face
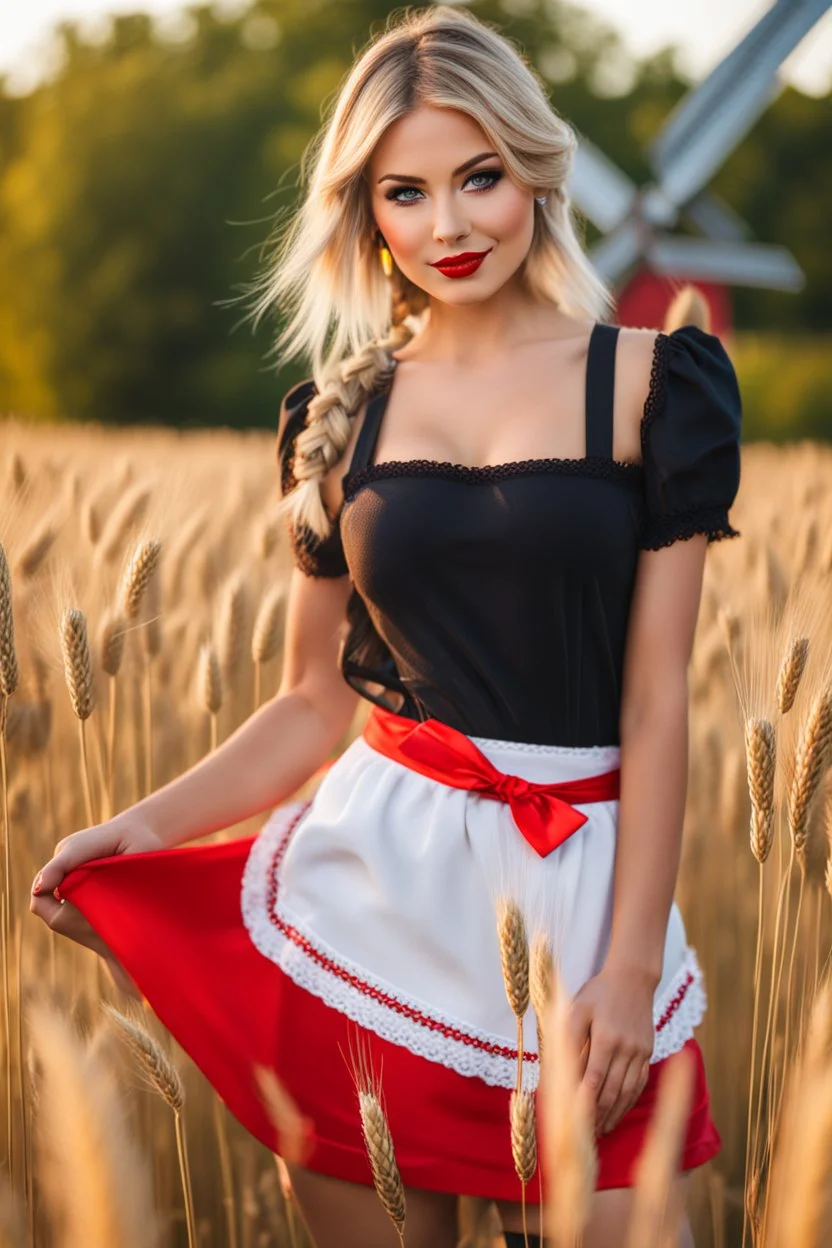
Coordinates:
[438,189]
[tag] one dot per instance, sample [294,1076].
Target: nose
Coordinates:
[450,223]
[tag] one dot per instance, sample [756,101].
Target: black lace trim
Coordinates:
[590,466]
[657,389]
[662,531]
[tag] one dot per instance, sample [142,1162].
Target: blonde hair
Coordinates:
[344,315]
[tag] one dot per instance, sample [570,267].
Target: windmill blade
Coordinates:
[716,219]
[711,121]
[612,257]
[599,188]
[733,264]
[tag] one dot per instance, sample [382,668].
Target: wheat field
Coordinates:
[141,622]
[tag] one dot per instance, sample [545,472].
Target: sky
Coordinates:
[704,30]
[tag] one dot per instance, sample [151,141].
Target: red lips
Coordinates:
[463,265]
[464,256]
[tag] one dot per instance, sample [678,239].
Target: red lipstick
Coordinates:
[463,265]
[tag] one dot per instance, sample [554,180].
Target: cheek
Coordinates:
[512,216]
[400,227]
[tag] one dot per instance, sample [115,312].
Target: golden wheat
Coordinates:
[567,1108]
[791,670]
[523,1136]
[810,759]
[9,674]
[760,750]
[379,1144]
[141,568]
[75,647]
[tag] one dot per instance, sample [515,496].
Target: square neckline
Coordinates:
[594,465]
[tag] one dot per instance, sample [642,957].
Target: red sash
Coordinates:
[542,812]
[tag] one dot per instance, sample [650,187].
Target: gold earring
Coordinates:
[385,256]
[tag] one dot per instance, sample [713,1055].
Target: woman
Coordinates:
[499,505]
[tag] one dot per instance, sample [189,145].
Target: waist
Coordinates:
[537,763]
[544,810]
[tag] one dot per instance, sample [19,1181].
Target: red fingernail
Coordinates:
[37,883]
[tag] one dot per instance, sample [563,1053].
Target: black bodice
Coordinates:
[497,599]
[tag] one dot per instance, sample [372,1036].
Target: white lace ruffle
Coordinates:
[381,1008]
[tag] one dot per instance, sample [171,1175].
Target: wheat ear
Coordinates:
[163,1076]
[791,670]
[9,674]
[379,1144]
[141,568]
[514,958]
[760,752]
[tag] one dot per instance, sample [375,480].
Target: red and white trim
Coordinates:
[382,1008]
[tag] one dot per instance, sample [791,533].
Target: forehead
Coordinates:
[426,140]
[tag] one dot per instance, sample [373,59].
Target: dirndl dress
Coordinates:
[359,926]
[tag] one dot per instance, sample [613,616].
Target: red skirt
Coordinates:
[172,918]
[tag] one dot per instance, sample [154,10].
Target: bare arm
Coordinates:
[284,742]
[654,752]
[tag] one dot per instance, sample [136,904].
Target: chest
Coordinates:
[408,529]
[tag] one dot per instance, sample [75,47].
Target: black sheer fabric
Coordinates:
[496,599]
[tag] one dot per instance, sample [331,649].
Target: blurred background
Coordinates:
[144,155]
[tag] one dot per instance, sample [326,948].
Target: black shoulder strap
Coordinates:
[600,390]
[368,433]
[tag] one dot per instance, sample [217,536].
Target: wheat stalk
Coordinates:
[111,634]
[163,1076]
[139,571]
[9,674]
[209,684]
[231,625]
[567,1107]
[542,967]
[96,1183]
[801,1197]
[811,758]
[514,959]
[651,1223]
[267,634]
[125,515]
[791,670]
[77,662]
[36,550]
[760,752]
[294,1129]
[379,1144]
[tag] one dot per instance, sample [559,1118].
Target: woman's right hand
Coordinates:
[124,834]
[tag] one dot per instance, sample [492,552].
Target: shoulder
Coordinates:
[685,375]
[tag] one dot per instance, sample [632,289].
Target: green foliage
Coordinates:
[786,385]
[139,189]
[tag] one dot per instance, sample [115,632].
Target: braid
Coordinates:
[329,418]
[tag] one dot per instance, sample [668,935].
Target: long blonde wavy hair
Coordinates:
[344,315]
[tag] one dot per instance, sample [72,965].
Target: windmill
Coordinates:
[641,253]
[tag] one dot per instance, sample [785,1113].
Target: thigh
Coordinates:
[339,1214]
[611,1210]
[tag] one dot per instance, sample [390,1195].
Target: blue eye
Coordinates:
[493,176]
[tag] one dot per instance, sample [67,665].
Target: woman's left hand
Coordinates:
[612,1022]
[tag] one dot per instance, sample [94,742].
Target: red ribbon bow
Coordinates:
[542,812]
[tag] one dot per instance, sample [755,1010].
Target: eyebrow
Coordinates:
[400,177]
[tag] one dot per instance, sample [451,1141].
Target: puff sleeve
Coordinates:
[314,556]
[690,439]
